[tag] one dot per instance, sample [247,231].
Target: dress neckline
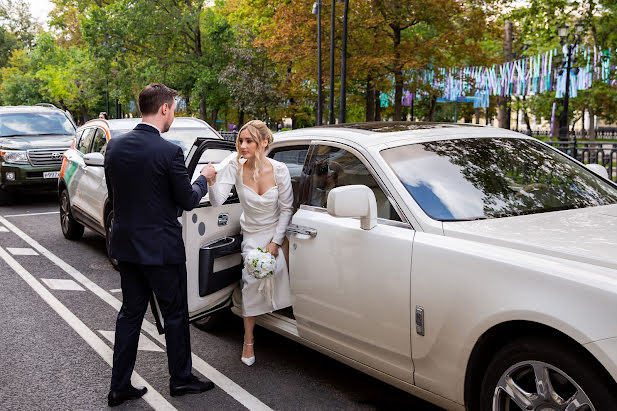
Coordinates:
[256,193]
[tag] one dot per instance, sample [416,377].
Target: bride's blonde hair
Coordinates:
[259,131]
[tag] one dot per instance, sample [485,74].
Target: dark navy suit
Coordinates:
[147,182]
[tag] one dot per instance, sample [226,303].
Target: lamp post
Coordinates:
[317,11]
[343,112]
[570,40]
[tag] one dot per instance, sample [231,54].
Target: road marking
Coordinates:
[116,290]
[145,344]
[222,381]
[4,229]
[29,214]
[22,251]
[65,285]
[152,397]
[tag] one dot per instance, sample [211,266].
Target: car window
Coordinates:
[293,157]
[85,140]
[32,124]
[331,167]
[477,178]
[181,136]
[98,145]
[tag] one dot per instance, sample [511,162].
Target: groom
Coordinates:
[147,182]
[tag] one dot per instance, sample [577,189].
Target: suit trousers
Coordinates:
[169,285]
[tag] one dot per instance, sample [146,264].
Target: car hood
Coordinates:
[40,142]
[587,235]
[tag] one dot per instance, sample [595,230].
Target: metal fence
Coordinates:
[601,133]
[591,153]
[229,135]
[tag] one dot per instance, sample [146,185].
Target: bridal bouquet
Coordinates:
[260,264]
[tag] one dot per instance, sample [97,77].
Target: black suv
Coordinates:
[32,141]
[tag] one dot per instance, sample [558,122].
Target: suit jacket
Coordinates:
[147,182]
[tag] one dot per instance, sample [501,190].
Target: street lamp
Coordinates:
[332,57]
[317,11]
[343,108]
[570,39]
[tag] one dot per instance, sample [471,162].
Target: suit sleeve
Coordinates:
[185,195]
[107,174]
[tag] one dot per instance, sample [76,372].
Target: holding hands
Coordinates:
[209,172]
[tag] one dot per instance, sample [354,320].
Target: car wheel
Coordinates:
[109,220]
[213,321]
[542,374]
[71,229]
[5,197]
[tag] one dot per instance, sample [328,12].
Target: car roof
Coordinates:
[29,109]
[385,132]
[130,123]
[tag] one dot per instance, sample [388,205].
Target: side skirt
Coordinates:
[286,327]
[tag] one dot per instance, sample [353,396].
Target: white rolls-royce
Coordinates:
[473,267]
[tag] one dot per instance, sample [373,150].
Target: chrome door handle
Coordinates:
[298,229]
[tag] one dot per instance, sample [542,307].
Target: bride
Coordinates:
[264,188]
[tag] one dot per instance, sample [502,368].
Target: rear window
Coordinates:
[183,137]
[34,124]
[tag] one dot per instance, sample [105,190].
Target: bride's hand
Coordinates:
[273,248]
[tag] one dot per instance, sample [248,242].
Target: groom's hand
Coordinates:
[209,172]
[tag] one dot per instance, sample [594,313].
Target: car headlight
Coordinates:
[15,157]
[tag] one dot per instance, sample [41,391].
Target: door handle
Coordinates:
[302,230]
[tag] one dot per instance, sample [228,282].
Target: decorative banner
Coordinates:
[524,77]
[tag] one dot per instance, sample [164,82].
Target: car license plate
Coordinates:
[51,174]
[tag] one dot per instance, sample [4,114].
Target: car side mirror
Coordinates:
[94,159]
[354,201]
[598,169]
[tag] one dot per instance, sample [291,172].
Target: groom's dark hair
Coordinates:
[153,96]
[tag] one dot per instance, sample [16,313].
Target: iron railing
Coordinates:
[591,153]
[229,135]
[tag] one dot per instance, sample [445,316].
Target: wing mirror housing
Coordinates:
[598,169]
[356,201]
[94,159]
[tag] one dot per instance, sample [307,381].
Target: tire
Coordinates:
[5,197]
[71,229]
[212,322]
[563,369]
[109,220]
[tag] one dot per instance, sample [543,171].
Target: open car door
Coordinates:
[211,238]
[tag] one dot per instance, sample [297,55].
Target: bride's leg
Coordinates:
[249,325]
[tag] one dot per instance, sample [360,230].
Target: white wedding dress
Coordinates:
[264,219]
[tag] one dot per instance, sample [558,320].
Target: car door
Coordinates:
[76,168]
[351,286]
[212,239]
[93,189]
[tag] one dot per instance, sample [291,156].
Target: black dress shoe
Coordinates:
[118,397]
[190,386]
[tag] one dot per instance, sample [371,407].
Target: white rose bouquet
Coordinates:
[260,264]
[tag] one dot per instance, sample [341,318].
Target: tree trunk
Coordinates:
[526,116]
[592,125]
[370,99]
[377,105]
[202,111]
[431,108]
[240,119]
[213,116]
[477,114]
[504,114]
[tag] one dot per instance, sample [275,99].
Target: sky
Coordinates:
[40,9]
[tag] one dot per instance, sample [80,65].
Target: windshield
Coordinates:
[469,179]
[183,137]
[33,124]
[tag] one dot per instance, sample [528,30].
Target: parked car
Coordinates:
[32,140]
[81,185]
[470,266]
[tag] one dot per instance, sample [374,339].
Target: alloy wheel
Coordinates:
[539,386]
[64,212]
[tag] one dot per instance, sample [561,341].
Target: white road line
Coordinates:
[144,344]
[29,214]
[22,251]
[4,229]
[152,397]
[225,383]
[115,290]
[61,284]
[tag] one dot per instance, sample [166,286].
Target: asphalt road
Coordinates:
[56,350]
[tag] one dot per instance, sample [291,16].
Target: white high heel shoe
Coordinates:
[248,361]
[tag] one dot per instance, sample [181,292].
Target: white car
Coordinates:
[81,185]
[470,266]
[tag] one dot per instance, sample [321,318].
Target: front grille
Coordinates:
[46,158]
